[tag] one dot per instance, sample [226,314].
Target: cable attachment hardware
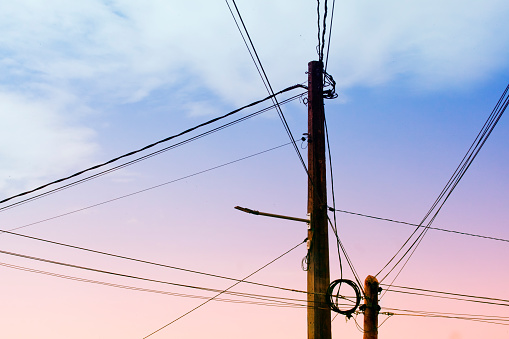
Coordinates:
[305,262]
[303,98]
[334,297]
[328,80]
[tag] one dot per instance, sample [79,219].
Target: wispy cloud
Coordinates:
[119,52]
[38,141]
[127,49]
[435,44]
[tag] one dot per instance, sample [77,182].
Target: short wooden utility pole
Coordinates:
[371,308]
[319,314]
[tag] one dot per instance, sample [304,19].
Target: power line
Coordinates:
[271,301]
[266,81]
[149,188]
[449,313]
[324,28]
[497,320]
[144,261]
[318,47]
[347,257]
[129,276]
[271,96]
[458,174]
[267,85]
[224,291]
[410,224]
[488,300]
[330,34]
[335,227]
[147,156]
[264,300]
[450,298]
[247,46]
[104,271]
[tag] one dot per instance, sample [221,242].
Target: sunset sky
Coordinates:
[86,81]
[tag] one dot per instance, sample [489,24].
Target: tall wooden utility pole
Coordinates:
[319,315]
[371,308]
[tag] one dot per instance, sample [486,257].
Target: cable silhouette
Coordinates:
[273,299]
[347,257]
[458,174]
[450,298]
[318,47]
[330,34]
[448,295]
[144,261]
[147,156]
[496,320]
[134,277]
[411,224]
[269,300]
[271,96]
[324,30]
[334,224]
[224,291]
[265,80]
[149,188]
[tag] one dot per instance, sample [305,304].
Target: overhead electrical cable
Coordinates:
[271,96]
[417,242]
[450,313]
[260,300]
[130,276]
[464,297]
[149,188]
[458,174]
[333,224]
[324,30]
[411,224]
[104,271]
[331,173]
[146,261]
[270,301]
[347,257]
[147,156]
[329,80]
[248,49]
[224,291]
[330,34]
[471,317]
[450,298]
[318,47]
[265,80]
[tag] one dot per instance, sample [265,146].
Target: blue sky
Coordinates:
[85,82]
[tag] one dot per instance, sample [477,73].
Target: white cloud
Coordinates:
[38,141]
[129,48]
[437,44]
[121,51]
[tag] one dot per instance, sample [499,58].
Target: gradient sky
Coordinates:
[83,82]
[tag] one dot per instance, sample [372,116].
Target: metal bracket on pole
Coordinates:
[247,210]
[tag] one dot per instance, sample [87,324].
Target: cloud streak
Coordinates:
[38,141]
[107,53]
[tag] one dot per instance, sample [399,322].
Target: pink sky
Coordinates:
[87,82]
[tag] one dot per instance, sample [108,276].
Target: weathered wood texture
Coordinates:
[319,314]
